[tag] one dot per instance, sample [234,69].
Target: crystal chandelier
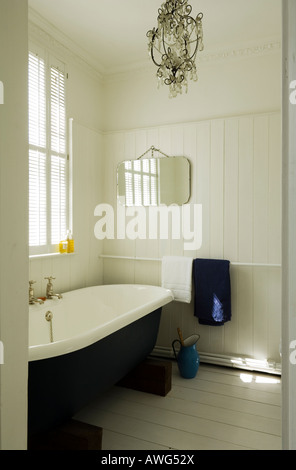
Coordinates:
[174,43]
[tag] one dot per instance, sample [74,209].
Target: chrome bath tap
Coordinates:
[49,289]
[32,298]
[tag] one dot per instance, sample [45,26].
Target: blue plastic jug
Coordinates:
[188,358]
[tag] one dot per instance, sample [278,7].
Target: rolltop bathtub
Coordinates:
[85,342]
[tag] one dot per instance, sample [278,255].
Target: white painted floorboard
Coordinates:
[220,409]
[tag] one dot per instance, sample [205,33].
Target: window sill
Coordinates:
[52,255]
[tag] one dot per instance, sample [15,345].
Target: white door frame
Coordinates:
[288,225]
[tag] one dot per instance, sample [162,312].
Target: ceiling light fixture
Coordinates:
[173,45]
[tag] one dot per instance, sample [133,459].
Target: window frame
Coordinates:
[51,61]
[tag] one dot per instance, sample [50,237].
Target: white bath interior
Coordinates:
[87,315]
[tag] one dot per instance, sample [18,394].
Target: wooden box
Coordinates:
[151,376]
[72,435]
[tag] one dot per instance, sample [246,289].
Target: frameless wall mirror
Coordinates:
[153,181]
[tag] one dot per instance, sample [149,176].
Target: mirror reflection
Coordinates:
[153,181]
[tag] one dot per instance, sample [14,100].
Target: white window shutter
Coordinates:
[59,195]
[48,165]
[37,152]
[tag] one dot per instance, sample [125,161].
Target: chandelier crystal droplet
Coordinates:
[173,45]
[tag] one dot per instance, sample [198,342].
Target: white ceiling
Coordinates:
[113,32]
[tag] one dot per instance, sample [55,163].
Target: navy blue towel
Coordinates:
[212,302]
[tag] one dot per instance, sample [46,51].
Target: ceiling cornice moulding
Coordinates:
[46,34]
[241,51]
[265,46]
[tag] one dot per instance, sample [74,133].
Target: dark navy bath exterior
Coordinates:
[60,386]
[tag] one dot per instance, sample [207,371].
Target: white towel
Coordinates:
[177,276]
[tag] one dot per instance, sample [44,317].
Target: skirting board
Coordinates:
[238,362]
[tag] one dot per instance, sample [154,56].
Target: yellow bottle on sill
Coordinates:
[70,242]
[63,246]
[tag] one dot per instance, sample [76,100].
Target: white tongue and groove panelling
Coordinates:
[236,176]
